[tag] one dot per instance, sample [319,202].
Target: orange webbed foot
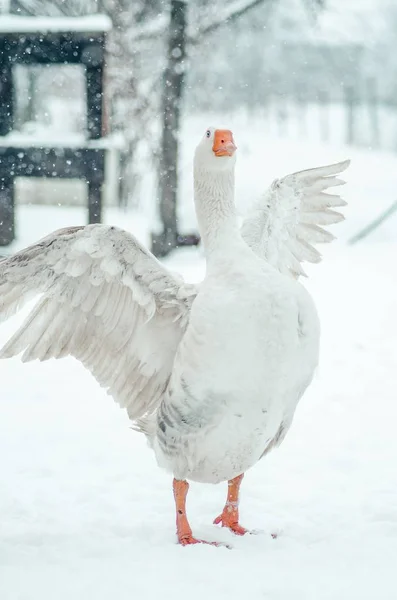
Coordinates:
[226,520]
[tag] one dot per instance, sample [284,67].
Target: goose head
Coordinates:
[216,151]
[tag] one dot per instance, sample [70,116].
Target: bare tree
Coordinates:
[172,90]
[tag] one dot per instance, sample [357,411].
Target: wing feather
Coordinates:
[106,301]
[285,224]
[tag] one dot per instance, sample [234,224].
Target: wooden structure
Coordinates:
[49,40]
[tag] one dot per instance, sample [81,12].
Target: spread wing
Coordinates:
[104,300]
[286,223]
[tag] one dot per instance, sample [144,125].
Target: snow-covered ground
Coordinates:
[85,512]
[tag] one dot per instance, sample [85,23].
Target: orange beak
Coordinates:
[223,143]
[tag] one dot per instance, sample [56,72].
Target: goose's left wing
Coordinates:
[284,226]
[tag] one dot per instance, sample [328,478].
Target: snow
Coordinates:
[48,137]
[89,23]
[86,513]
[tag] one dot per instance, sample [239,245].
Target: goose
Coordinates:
[210,373]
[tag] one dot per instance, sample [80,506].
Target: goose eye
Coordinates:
[208,133]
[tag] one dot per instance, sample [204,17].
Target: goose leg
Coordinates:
[183,530]
[229,517]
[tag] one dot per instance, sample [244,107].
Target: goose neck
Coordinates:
[215,209]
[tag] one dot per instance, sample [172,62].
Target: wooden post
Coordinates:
[323,106]
[372,103]
[7,225]
[92,56]
[6,96]
[173,80]
[301,111]
[94,201]
[94,101]
[350,103]
[94,174]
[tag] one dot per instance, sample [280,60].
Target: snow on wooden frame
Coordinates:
[89,23]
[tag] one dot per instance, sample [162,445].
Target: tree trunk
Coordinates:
[173,81]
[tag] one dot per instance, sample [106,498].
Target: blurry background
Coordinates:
[299,82]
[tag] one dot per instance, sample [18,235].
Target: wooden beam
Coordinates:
[6,96]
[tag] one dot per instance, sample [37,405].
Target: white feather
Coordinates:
[290,215]
[103,295]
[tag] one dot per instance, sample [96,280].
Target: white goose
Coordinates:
[211,374]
